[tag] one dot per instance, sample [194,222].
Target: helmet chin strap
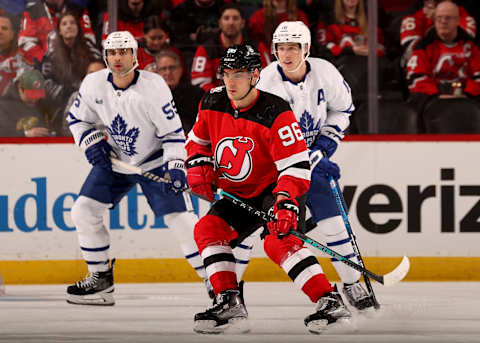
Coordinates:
[250,89]
[304,58]
[120,75]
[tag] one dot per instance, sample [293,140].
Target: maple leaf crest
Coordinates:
[124,138]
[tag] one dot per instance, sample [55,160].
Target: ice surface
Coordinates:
[411,312]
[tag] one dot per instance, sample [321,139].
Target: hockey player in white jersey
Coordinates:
[321,100]
[142,129]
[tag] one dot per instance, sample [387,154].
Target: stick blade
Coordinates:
[398,274]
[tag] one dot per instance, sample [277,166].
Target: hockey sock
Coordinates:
[182,224]
[337,238]
[93,237]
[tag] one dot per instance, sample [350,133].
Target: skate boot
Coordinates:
[357,296]
[330,310]
[228,315]
[95,289]
[208,286]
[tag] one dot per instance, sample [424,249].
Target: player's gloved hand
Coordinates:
[330,136]
[97,150]
[322,166]
[201,175]
[176,173]
[286,213]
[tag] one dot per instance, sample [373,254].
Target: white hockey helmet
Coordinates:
[292,32]
[120,40]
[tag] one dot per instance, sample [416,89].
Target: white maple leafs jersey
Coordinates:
[141,121]
[322,98]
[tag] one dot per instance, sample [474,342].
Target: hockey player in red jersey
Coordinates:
[248,142]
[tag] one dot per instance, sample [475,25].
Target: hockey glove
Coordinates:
[175,171]
[286,215]
[330,136]
[322,166]
[201,175]
[97,149]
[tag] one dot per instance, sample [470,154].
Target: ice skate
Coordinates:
[357,296]
[95,289]
[208,286]
[330,310]
[227,315]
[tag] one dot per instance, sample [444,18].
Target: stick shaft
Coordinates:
[341,207]
[266,217]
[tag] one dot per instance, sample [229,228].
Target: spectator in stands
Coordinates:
[65,63]
[416,26]
[41,19]
[194,21]
[25,117]
[132,15]
[185,95]
[93,66]
[443,75]
[347,40]
[207,57]
[11,61]
[156,37]
[264,21]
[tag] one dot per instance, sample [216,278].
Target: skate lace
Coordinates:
[324,302]
[356,291]
[89,281]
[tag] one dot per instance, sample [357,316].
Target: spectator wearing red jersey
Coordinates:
[347,40]
[443,75]
[264,21]
[65,64]
[156,37]
[207,57]
[12,64]
[40,20]
[131,16]
[416,26]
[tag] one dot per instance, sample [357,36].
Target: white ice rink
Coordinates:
[411,312]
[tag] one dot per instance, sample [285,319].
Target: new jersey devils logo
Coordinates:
[233,159]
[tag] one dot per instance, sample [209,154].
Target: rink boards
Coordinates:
[417,196]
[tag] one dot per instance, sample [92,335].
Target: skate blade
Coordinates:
[233,327]
[317,327]
[99,299]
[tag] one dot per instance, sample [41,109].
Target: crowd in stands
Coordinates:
[427,50]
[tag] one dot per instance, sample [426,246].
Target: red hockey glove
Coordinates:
[201,175]
[286,213]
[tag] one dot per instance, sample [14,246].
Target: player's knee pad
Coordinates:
[332,226]
[212,230]
[181,224]
[87,214]
[279,249]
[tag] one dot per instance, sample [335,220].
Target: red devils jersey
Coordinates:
[11,67]
[39,20]
[252,147]
[433,62]
[207,58]
[414,27]
[341,36]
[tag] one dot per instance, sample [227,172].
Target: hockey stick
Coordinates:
[389,279]
[341,207]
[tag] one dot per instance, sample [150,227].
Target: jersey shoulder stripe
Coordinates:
[265,110]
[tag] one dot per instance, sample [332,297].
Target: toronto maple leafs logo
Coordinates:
[310,131]
[125,139]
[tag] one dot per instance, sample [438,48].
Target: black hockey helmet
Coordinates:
[242,56]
